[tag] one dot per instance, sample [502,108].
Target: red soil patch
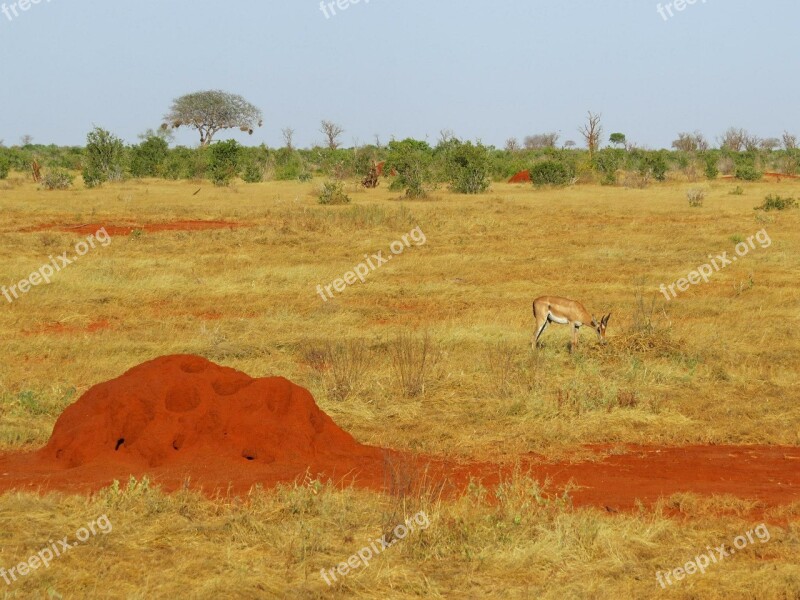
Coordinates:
[182,420]
[781,176]
[521,177]
[89,228]
[777,176]
[211,315]
[767,474]
[61,328]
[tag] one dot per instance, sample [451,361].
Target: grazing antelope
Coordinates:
[552,309]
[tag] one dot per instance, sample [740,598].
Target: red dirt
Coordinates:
[767,474]
[61,328]
[521,177]
[211,315]
[777,176]
[781,176]
[184,421]
[89,228]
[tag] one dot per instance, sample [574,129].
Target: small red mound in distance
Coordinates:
[521,177]
[379,168]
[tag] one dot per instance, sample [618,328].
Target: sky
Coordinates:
[403,68]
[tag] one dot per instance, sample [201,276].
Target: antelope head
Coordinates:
[600,327]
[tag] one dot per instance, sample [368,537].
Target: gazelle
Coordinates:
[552,309]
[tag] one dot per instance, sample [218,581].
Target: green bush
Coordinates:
[365,157]
[608,161]
[789,161]
[288,165]
[710,166]
[550,172]
[57,179]
[652,164]
[148,157]
[253,171]
[659,166]
[5,166]
[411,160]
[186,163]
[199,165]
[288,172]
[224,161]
[253,163]
[332,192]
[775,202]
[103,159]
[176,164]
[466,166]
[339,163]
[748,173]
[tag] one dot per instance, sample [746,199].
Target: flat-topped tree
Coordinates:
[618,139]
[211,111]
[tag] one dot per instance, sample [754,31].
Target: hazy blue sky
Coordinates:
[487,70]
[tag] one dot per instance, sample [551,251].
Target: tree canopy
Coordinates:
[211,111]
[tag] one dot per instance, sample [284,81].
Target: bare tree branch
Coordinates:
[331,131]
[288,137]
[591,132]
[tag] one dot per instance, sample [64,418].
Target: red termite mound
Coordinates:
[184,408]
[184,421]
[521,177]
[379,166]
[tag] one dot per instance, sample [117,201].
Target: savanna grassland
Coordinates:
[716,365]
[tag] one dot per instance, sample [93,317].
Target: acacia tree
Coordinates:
[618,139]
[211,111]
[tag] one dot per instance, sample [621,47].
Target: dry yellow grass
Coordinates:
[715,365]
